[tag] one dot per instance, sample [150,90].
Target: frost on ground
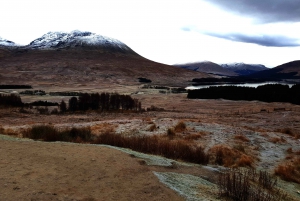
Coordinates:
[188,186]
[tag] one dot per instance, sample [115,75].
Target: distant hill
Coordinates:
[244,69]
[83,59]
[290,70]
[207,67]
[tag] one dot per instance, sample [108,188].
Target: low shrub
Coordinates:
[42,132]
[84,134]
[180,127]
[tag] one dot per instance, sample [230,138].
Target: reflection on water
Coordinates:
[239,85]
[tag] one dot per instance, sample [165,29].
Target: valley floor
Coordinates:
[64,171]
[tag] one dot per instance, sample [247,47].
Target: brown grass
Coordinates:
[194,136]
[171,132]
[244,161]
[289,171]
[152,128]
[51,134]
[102,128]
[241,138]
[1,130]
[289,150]
[9,131]
[175,149]
[277,140]
[289,132]
[180,127]
[229,157]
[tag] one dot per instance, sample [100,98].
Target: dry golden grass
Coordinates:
[241,138]
[152,128]
[289,132]
[176,149]
[194,136]
[180,127]
[229,157]
[9,131]
[277,140]
[102,128]
[289,171]
[148,120]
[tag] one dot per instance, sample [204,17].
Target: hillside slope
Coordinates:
[84,58]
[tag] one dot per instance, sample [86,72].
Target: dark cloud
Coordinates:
[263,40]
[265,11]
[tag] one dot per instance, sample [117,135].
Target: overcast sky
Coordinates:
[169,31]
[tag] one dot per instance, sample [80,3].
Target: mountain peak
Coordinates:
[4,42]
[60,40]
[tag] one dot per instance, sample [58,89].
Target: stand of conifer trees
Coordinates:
[10,100]
[104,102]
[265,93]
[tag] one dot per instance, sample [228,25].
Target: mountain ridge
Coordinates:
[207,67]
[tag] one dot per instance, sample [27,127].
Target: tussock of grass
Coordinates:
[277,140]
[152,128]
[195,136]
[241,138]
[229,157]
[180,127]
[289,132]
[289,171]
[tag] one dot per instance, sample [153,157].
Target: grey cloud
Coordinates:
[265,11]
[263,40]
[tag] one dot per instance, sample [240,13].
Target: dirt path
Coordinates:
[61,171]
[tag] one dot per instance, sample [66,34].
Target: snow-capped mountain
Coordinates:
[7,43]
[244,69]
[60,40]
[207,67]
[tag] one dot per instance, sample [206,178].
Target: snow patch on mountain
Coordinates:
[244,69]
[243,66]
[4,42]
[53,40]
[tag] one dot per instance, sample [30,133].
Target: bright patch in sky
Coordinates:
[168,31]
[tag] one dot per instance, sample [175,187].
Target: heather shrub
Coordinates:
[180,127]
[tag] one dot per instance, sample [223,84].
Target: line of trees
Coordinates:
[6,86]
[103,102]
[266,93]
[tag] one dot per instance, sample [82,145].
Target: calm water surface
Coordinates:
[240,85]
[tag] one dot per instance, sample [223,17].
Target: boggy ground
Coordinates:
[263,132]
